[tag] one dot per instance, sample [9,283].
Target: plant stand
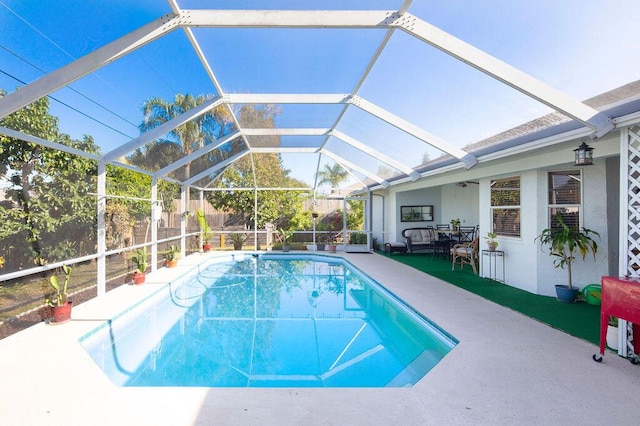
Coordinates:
[493,256]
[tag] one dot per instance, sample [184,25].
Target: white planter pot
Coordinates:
[612,337]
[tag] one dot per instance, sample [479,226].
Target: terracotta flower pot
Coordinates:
[60,314]
[139,277]
[172,263]
[206,247]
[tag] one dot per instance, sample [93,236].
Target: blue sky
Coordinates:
[581,47]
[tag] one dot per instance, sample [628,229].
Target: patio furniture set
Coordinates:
[460,244]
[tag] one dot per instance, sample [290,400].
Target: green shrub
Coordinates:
[358,238]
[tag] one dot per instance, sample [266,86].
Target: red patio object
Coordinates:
[621,299]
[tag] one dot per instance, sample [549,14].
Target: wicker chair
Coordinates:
[465,253]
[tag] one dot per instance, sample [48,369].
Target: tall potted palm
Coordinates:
[563,243]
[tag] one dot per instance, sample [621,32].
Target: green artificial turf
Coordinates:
[577,319]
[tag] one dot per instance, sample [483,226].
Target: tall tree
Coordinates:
[47,213]
[191,135]
[274,206]
[333,175]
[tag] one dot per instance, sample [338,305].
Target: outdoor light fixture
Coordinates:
[584,155]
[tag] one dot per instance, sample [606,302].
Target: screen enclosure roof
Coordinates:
[186,90]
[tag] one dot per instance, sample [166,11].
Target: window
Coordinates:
[565,197]
[416,213]
[505,206]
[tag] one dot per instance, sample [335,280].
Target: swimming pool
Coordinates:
[269,321]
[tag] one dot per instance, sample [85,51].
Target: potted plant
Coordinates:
[321,238]
[285,236]
[206,231]
[333,224]
[563,242]
[171,256]
[455,224]
[140,259]
[59,299]
[237,239]
[492,243]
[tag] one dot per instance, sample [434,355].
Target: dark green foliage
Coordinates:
[563,241]
[47,210]
[358,238]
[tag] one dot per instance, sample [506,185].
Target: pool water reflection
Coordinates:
[270,321]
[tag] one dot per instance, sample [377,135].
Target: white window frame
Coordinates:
[578,206]
[518,207]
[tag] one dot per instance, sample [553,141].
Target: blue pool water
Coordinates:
[269,321]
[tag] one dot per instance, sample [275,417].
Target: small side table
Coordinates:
[493,255]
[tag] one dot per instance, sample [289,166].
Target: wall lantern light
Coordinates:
[584,155]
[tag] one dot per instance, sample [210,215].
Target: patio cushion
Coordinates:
[395,247]
[415,235]
[419,235]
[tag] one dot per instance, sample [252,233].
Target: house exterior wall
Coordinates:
[613,214]
[378,219]
[460,203]
[527,266]
[424,196]
[519,252]
[594,217]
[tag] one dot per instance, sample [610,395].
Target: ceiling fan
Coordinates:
[465,183]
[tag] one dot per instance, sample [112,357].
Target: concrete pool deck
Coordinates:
[507,369]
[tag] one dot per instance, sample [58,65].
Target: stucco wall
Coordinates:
[594,217]
[424,196]
[378,218]
[519,252]
[613,215]
[460,203]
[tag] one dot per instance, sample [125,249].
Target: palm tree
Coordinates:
[193,134]
[333,175]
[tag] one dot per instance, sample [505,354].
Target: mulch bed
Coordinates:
[43,313]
